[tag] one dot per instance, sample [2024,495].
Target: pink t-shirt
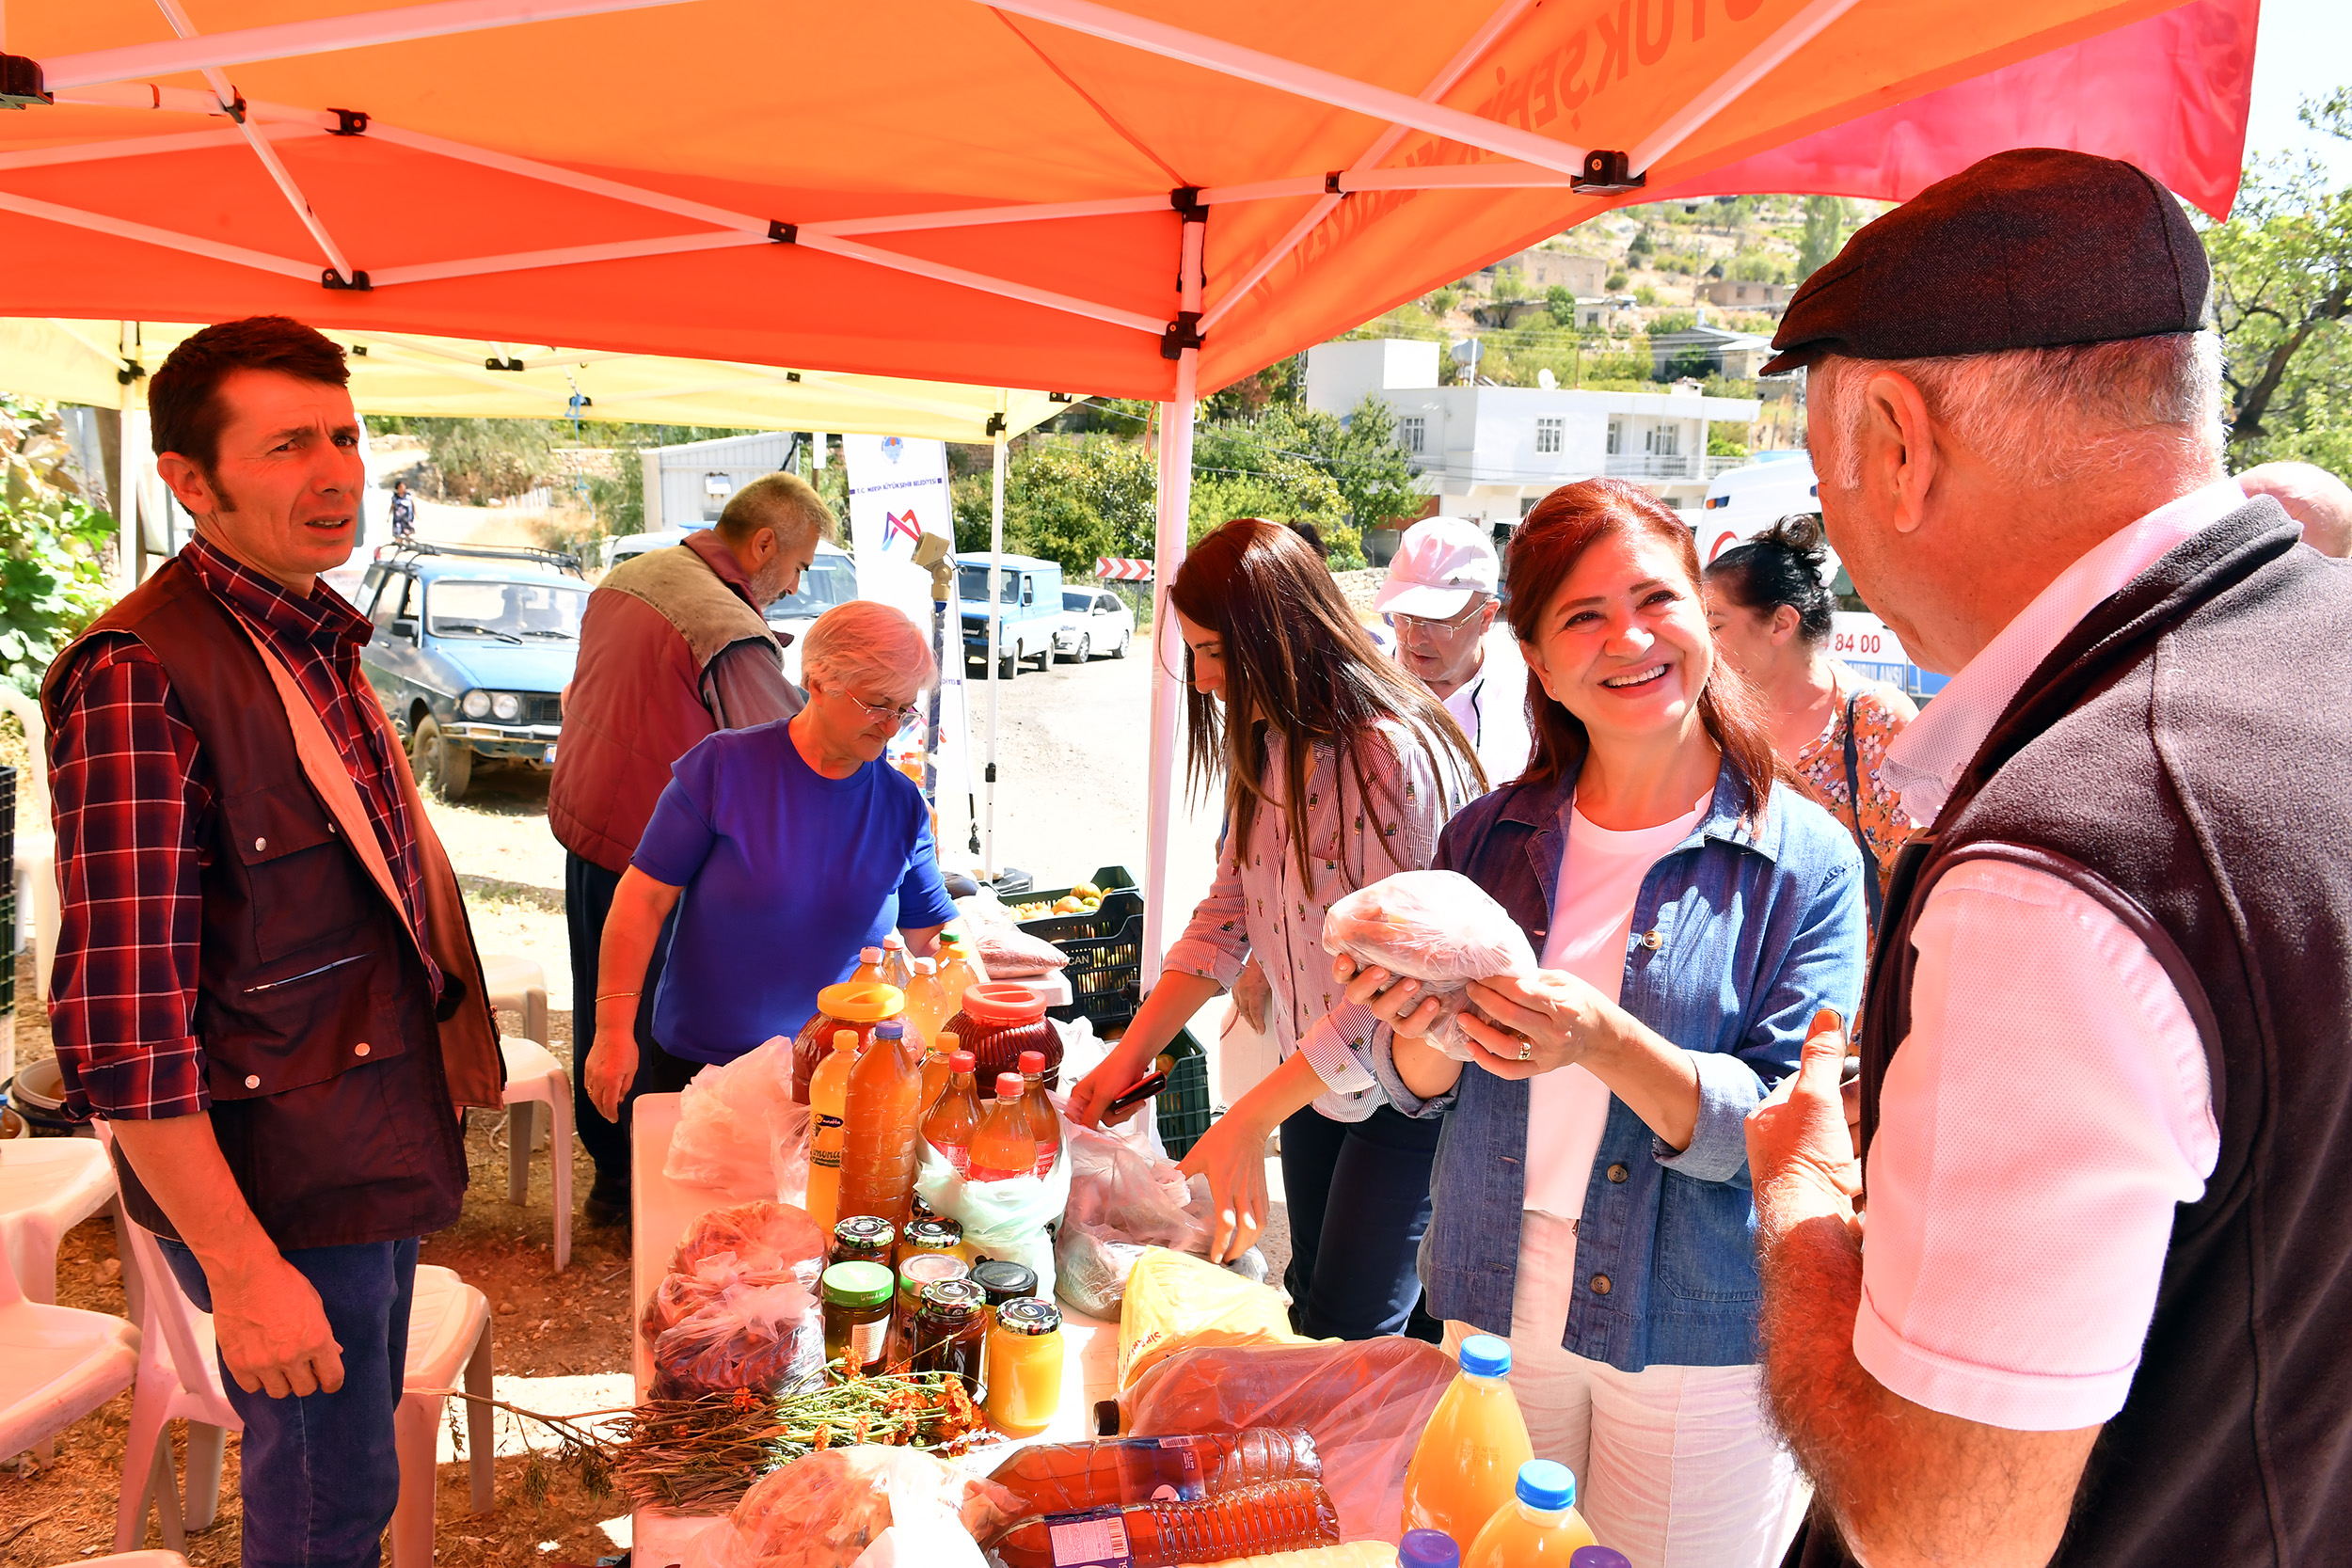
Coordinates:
[1592,920]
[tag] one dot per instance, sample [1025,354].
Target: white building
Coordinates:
[1491,452]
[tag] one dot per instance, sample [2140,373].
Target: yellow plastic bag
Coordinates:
[1179,1301]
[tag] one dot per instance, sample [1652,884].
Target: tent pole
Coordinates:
[1167,650]
[131,542]
[996,614]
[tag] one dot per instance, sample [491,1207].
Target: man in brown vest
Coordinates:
[673,647]
[2076,1293]
[265,980]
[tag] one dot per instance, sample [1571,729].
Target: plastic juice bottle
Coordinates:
[956,1117]
[828,1099]
[870,967]
[959,970]
[1045,1121]
[1004,1146]
[1467,1460]
[880,1129]
[896,970]
[927,1008]
[1540,1525]
[937,1073]
[1428,1549]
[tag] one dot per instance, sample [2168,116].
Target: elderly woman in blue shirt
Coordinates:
[1691,912]
[783,849]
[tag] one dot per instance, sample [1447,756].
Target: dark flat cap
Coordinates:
[2034,249]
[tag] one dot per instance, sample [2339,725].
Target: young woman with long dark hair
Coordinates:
[1690,911]
[1338,769]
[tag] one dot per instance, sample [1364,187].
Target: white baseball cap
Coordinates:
[1439,563]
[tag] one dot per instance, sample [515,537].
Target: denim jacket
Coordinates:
[1741,934]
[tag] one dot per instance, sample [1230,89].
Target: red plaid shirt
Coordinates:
[132,798]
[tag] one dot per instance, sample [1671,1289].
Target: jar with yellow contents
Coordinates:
[1024,1366]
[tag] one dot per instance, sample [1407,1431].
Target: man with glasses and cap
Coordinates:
[1440,602]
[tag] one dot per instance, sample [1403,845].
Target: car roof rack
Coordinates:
[412,548]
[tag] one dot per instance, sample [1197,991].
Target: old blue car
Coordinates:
[472,649]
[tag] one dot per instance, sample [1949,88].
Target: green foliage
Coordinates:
[1069,499]
[1561,301]
[1284,381]
[1756,266]
[2282,293]
[1441,302]
[1510,284]
[1646,295]
[52,575]
[1642,244]
[1616,281]
[1824,230]
[1674,320]
[1723,442]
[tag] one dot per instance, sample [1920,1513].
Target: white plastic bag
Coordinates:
[831,1508]
[1436,926]
[1122,1203]
[730,1119]
[1004,1220]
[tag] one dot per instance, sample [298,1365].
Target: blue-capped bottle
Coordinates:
[1469,1454]
[1540,1524]
[1428,1549]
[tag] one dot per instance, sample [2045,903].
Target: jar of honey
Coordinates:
[863,1239]
[1000,1020]
[1024,1366]
[933,1234]
[950,1331]
[854,1004]
[857,1318]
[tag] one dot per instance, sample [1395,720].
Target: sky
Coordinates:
[2303,49]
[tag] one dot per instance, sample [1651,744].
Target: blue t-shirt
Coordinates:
[786,874]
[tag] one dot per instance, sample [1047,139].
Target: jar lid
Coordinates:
[1004,1280]
[861,1001]
[865,1230]
[1000,1001]
[958,1296]
[857,1285]
[1029,1316]
[935,1232]
[930,1268]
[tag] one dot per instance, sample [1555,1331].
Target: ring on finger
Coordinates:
[1527,1049]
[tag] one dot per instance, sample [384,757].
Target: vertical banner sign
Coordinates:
[899,493]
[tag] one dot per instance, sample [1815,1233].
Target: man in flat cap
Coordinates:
[2098,1313]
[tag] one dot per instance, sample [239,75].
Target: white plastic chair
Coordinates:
[519,986]
[58,1364]
[179,1379]
[130,1560]
[47,1187]
[536,1085]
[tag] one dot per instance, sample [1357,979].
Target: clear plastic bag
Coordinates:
[1176,1301]
[732,1117]
[1009,952]
[1436,926]
[738,1308]
[1365,1403]
[1004,1220]
[1122,1203]
[826,1510]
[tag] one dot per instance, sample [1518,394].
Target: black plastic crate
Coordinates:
[1182,1108]
[1120,898]
[1105,948]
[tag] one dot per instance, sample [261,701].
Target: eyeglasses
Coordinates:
[900,717]
[1429,628]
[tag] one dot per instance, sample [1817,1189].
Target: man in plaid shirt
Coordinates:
[264,981]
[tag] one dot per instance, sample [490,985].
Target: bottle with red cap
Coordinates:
[1004,1146]
[1045,1121]
[956,1115]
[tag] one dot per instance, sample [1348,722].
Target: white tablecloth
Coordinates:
[661,1210]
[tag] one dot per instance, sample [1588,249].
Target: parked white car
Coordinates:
[1093,621]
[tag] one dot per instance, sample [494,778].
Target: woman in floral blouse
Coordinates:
[1769,604]
[1338,769]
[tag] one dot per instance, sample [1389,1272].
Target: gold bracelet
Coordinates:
[612,994]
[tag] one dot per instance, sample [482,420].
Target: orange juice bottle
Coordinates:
[937,1072]
[927,1007]
[958,969]
[1045,1121]
[896,970]
[955,1116]
[880,1129]
[1467,1463]
[828,1099]
[1540,1525]
[870,966]
[1004,1146]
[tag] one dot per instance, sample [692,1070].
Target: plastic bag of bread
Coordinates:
[1006,951]
[1436,926]
[1366,1404]
[762,1235]
[824,1509]
[1175,1300]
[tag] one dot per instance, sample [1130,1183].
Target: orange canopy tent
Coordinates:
[1142,200]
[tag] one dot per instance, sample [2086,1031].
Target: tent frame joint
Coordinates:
[350,122]
[1183,333]
[357,284]
[996,425]
[782,233]
[1607,171]
[1331,183]
[1186,201]
[21,85]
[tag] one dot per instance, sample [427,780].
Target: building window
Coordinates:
[1662,440]
[1548,434]
[1410,430]
[1616,436]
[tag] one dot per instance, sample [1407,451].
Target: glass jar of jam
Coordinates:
[915,1275]
[1000,1020]
[950,1331]
[1024,1367]
[863,1239]
[854,1004]
[933,1234]
[1002,1281]
[857,1318]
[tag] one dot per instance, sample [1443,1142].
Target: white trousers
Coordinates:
[1675,1466]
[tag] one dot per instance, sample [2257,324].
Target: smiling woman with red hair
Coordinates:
[1691,912]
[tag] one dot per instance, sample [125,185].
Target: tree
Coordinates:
[1069,501]
[53,579]
[1510,284]
[2283,290]
[1561,301]
[1824,227]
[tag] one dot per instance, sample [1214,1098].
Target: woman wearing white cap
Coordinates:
[1440,599]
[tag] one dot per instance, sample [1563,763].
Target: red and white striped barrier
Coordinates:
[1114,568]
